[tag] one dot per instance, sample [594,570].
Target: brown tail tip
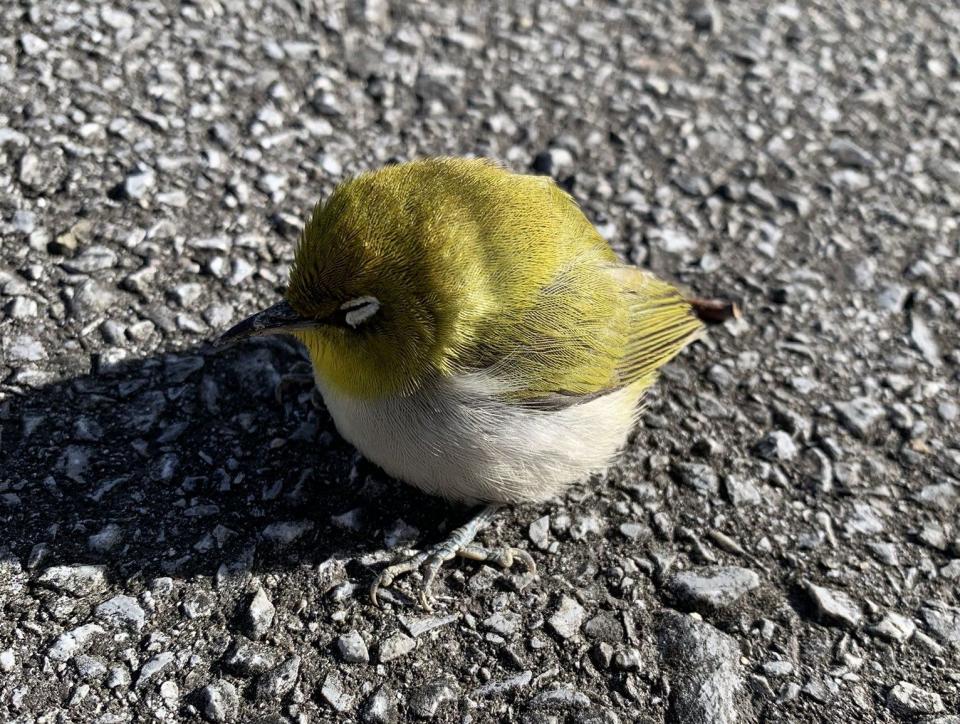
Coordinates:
[715,311]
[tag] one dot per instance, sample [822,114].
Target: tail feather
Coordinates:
[662,323]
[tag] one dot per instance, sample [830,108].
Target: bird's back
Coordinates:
[536,296]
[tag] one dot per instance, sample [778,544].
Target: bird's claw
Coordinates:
[430,562]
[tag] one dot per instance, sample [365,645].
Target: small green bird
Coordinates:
[473,335]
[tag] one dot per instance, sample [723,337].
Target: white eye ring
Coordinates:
[359,310]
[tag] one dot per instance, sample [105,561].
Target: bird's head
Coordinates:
[367,297]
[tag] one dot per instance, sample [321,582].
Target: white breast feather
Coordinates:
[454,438]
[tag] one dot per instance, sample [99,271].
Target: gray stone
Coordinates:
[426,701]
[334,694]
[106,539]
[924,340]
[122,610]
[153,668]
[713,587]
[500,687]
[502,623]
[22,308]
[909,700]
[249,659]
[381,707]
[707,671]
[539,532]
[567,619]
[220,701]
[834,607]
[860,415]
[740,491]
[70,643]
[93,259]
[75,580]
[90,668]
[137,184]
[848,153]
[23,348]
[895,627]
[277,683]
[942,621]
[698,476]
[286,532]
[776,446]
[259,615]
[777,668]
[394,647]
[352,648]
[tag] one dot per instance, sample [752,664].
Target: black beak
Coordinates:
[281,318]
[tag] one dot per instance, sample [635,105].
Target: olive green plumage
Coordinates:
[477,269]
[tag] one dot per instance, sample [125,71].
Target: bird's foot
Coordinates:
[459,543]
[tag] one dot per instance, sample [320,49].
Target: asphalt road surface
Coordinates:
[780,540]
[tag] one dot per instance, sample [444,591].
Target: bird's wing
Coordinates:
[596,327]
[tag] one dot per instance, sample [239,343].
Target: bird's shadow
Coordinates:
[186,463]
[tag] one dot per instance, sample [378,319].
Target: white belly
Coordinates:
[453,440]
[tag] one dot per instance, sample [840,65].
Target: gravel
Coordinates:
[176,541]
[713,587]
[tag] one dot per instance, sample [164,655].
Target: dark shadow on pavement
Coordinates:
[185,464]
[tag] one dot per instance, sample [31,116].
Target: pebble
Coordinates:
[713,587]
[740,491]
[395,646]
[698,476]
[23,348]
[426,701]
[942,621]
[275,684]
[90,668]
[352,648]
[706,670]
[220,701]
[259,615]
[381,707]
[567,619]
[22,308]
[334,694]
[286,532]
[8,661]
[924,340]
[119,677]
[909,700]
[539,533]
[153,668]
[419,625]
[249,659]
[860,415]
[848,153]
[33,45]
[137,184]
[895,627]
[835,607]
[122,610]
[502,623]
[776,446]
[777,668]
[106,539]
[77,580]
[73,642]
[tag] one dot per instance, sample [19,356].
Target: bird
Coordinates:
[473,335]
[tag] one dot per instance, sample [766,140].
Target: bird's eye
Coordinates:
[359,310]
